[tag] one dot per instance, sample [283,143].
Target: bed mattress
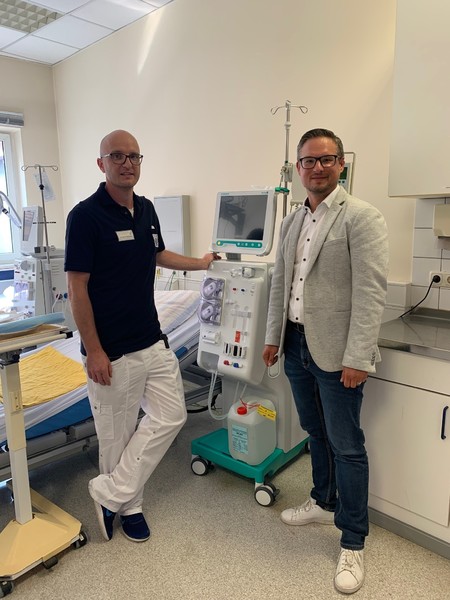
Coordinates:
[177,312]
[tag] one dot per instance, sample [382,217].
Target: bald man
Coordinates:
[113,246]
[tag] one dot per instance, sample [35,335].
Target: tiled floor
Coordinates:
[212,541]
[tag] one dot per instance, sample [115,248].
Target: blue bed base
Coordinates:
[81,411]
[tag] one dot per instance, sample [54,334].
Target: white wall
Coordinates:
[195,82]
[27,88]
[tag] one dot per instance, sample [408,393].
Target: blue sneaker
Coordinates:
[135,527]
[105,520]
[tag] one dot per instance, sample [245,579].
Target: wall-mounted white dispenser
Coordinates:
[441,220]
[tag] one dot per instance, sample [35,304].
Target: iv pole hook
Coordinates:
[287,168]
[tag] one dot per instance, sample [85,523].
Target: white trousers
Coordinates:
[150,379]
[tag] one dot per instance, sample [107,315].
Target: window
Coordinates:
[9,174]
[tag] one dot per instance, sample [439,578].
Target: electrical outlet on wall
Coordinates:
[444,279]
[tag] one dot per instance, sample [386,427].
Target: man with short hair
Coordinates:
[113,245]
[326,303]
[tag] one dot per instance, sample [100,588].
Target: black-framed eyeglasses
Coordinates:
[309,162]
[119,158]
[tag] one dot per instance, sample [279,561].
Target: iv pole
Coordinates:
[287,168]
[46,270]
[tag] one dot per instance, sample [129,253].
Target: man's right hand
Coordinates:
[270,355]
[99,367]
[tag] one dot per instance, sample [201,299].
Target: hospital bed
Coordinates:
[63,426]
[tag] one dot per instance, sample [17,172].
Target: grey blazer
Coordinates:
[344,287]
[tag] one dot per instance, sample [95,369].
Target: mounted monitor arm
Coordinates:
[8,209]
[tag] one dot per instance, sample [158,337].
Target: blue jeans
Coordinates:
[330,413]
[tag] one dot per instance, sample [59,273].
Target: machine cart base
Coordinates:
[212,448]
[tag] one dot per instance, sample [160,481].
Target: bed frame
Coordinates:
[81,437]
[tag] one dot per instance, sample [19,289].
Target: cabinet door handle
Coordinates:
[444,416]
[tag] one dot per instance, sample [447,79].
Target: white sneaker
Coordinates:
[308,512]
[350,571]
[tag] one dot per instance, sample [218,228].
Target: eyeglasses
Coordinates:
[119,158]
[309,162]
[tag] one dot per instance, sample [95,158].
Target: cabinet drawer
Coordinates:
[409,462]
[422,372]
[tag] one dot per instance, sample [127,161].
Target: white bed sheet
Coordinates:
[177,312]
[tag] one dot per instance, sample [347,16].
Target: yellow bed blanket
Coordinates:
[46,375]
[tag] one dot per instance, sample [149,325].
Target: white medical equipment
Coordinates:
[174,221]
[346,177]
[40,285]
[38,536]
[32,230]
[244,222]
[233,313]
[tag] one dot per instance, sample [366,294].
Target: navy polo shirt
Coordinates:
[118,250]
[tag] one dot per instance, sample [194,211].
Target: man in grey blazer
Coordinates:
[326,302]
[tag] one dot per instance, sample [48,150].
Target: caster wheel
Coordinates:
[264,495]
[274,489]
[81,541]
[51,562]
[200,466]
[6,587]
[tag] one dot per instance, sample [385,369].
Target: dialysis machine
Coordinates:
[233,315]
[39,280]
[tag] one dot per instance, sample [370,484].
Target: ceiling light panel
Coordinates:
[25,17]
[66,26]
[62,6]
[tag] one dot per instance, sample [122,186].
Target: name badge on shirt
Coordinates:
[124,236]
[155,236]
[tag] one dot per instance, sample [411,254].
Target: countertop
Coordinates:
[426,331]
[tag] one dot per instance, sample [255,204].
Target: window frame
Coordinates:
[13,175]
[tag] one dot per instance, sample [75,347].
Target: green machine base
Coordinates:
[212,448]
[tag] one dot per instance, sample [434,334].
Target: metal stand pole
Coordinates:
[287,168]
[46,265]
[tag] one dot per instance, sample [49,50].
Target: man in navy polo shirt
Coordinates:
[113,245]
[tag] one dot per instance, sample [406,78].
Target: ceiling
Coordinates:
[48,31]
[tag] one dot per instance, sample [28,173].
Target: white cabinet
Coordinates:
[409,461]
[420,135]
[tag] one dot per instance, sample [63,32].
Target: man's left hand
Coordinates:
[352,378]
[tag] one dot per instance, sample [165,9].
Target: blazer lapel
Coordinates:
[322,234]
[294,233]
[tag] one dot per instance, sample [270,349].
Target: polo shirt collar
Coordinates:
[106,199]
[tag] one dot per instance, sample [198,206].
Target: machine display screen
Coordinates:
[244,222]
[32,229]
[28,216]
